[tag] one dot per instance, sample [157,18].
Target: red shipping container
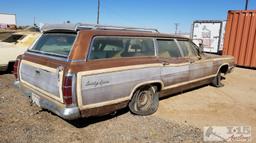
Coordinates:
[240,37]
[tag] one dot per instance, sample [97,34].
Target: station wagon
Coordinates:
[85,70]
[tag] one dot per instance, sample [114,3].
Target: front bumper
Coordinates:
[61,110]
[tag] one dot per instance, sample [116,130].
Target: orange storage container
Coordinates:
[240,37]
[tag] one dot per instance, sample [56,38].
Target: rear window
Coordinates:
[117,47]
[55,43]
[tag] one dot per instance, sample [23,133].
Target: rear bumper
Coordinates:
[61,110]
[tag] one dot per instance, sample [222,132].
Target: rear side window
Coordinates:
[118,47]
[187,48]
[168,49]
[55,43]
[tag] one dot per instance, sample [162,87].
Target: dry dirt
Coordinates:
[180,118]
[231,105]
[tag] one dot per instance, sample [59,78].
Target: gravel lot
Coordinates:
[180,118]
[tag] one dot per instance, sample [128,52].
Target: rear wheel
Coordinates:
[217,80]
[145,101]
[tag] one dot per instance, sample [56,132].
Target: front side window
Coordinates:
[168,48]
[117,47]
[55,43]
[187,48]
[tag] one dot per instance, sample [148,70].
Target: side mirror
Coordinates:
[200,45]
[201,48]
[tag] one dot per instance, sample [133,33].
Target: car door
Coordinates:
[175,68]
[198,67]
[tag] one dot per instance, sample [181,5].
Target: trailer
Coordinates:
[7,20]
[209,33]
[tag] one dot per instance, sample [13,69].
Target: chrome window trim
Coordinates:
[155,47]
[47,56]
[35,42]
[181,52]
[47,53]
[173,39]
[92,41]
[71,49]
[196,52]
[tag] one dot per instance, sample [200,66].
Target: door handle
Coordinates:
[37,71]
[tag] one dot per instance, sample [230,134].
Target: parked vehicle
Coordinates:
[210,33]
[14,45]
[89,70]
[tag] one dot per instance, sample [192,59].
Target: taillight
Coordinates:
[16,69]
[67,90]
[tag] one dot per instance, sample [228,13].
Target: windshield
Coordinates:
[55,44]
[14,38]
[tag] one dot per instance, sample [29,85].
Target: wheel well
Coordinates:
[224,69]
[158,85]
[155,84]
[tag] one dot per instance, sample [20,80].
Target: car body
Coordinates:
[13,45]
[89,70]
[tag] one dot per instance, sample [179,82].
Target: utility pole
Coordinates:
[98,12]
[176,27]
[246,4]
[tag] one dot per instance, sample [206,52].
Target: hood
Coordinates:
[7,45]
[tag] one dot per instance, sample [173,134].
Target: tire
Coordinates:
[145,101]
[217,81]
[10,67]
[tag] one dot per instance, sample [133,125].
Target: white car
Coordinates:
[14,45]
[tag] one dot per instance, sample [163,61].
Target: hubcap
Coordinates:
[144,100]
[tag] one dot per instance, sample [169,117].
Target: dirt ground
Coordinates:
[231,105]
[180,118]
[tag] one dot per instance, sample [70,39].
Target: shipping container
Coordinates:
[210,33]
[240,37]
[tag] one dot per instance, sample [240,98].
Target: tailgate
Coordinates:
[42,78]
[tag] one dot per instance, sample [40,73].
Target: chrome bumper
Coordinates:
[61,110]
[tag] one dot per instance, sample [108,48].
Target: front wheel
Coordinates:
[145,101]
[217,81]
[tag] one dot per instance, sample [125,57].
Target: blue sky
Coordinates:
[161,14]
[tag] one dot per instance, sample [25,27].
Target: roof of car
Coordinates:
[106,30]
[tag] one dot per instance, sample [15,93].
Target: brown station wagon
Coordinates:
[87,70]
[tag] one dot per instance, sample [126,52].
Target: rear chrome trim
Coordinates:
[47,56]
[54,58]
[69,113]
